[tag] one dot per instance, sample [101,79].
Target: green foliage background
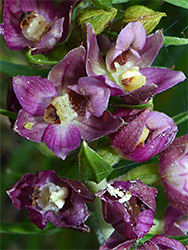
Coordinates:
[19,156]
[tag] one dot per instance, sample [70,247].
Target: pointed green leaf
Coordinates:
[171,40]
[12,69]
[179,3]
[103,4]
[26,228]
[99,18]
[148,17]
[39,59]
[92,166]
[148,173]
[9,114]
[180,118]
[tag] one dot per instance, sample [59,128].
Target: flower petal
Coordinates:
[163,78]
[33,93]
[69,69]
[97,92]
[62,139]
[30,127]
[94,63]
[96,127]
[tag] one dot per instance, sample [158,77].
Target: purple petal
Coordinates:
[69,69]
[151,48]
[140,95]
[50,38]
[39,218]
[96,127]
[97,92]
[34,93]
[30,127]
[62,139]
[127,137]
[163,78]
[94,63]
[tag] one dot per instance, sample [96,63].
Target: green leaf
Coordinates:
[92,166]
[182,239]
[99,18]
[26,228]
[179,3]
[147,173]
[148,17]
[119,1]
[9,114]
[172,40]
[103,4]
[39,59]
[12,69]
[180,118]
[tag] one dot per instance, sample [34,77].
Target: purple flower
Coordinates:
[129,206]
[65,107]
[160,242]
[173,171]
[175,222]
[35,24]
[49,198]
[126,68]
[144,134]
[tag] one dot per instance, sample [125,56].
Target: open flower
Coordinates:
[175,222]
[35,24]
[126,67]
[49,198]
[129,206]
[173,171]
[160,242]
[145,134]
[65,107]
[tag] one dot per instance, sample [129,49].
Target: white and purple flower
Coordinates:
[127,68]
[144,134]
[36,24]
[49,198]
[65,108]
[173,171]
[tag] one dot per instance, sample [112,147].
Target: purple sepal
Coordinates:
[160,242]
[175,222]
[121,197]
[173,172]
[26,194]
[117,242]
[62,139]
[162,131]
[163,78]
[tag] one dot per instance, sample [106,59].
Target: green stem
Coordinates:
[180,118]
[9,114]
[141,106]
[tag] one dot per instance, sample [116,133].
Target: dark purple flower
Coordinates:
[161,242]
[129,206]
[49,198]
[173,171]
[65,107]
[126,68]
[175,222]
[35,24]
[144,134]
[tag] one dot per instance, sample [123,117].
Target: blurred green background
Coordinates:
[19,156]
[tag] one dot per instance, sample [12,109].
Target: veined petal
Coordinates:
[30,127]
[69,69]
[94,63]
[151,48]
[62,139]
[96,127]
[163,78]
[33,93]
[97,92]
[133,35]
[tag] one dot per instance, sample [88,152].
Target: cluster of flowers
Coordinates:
[71,105]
